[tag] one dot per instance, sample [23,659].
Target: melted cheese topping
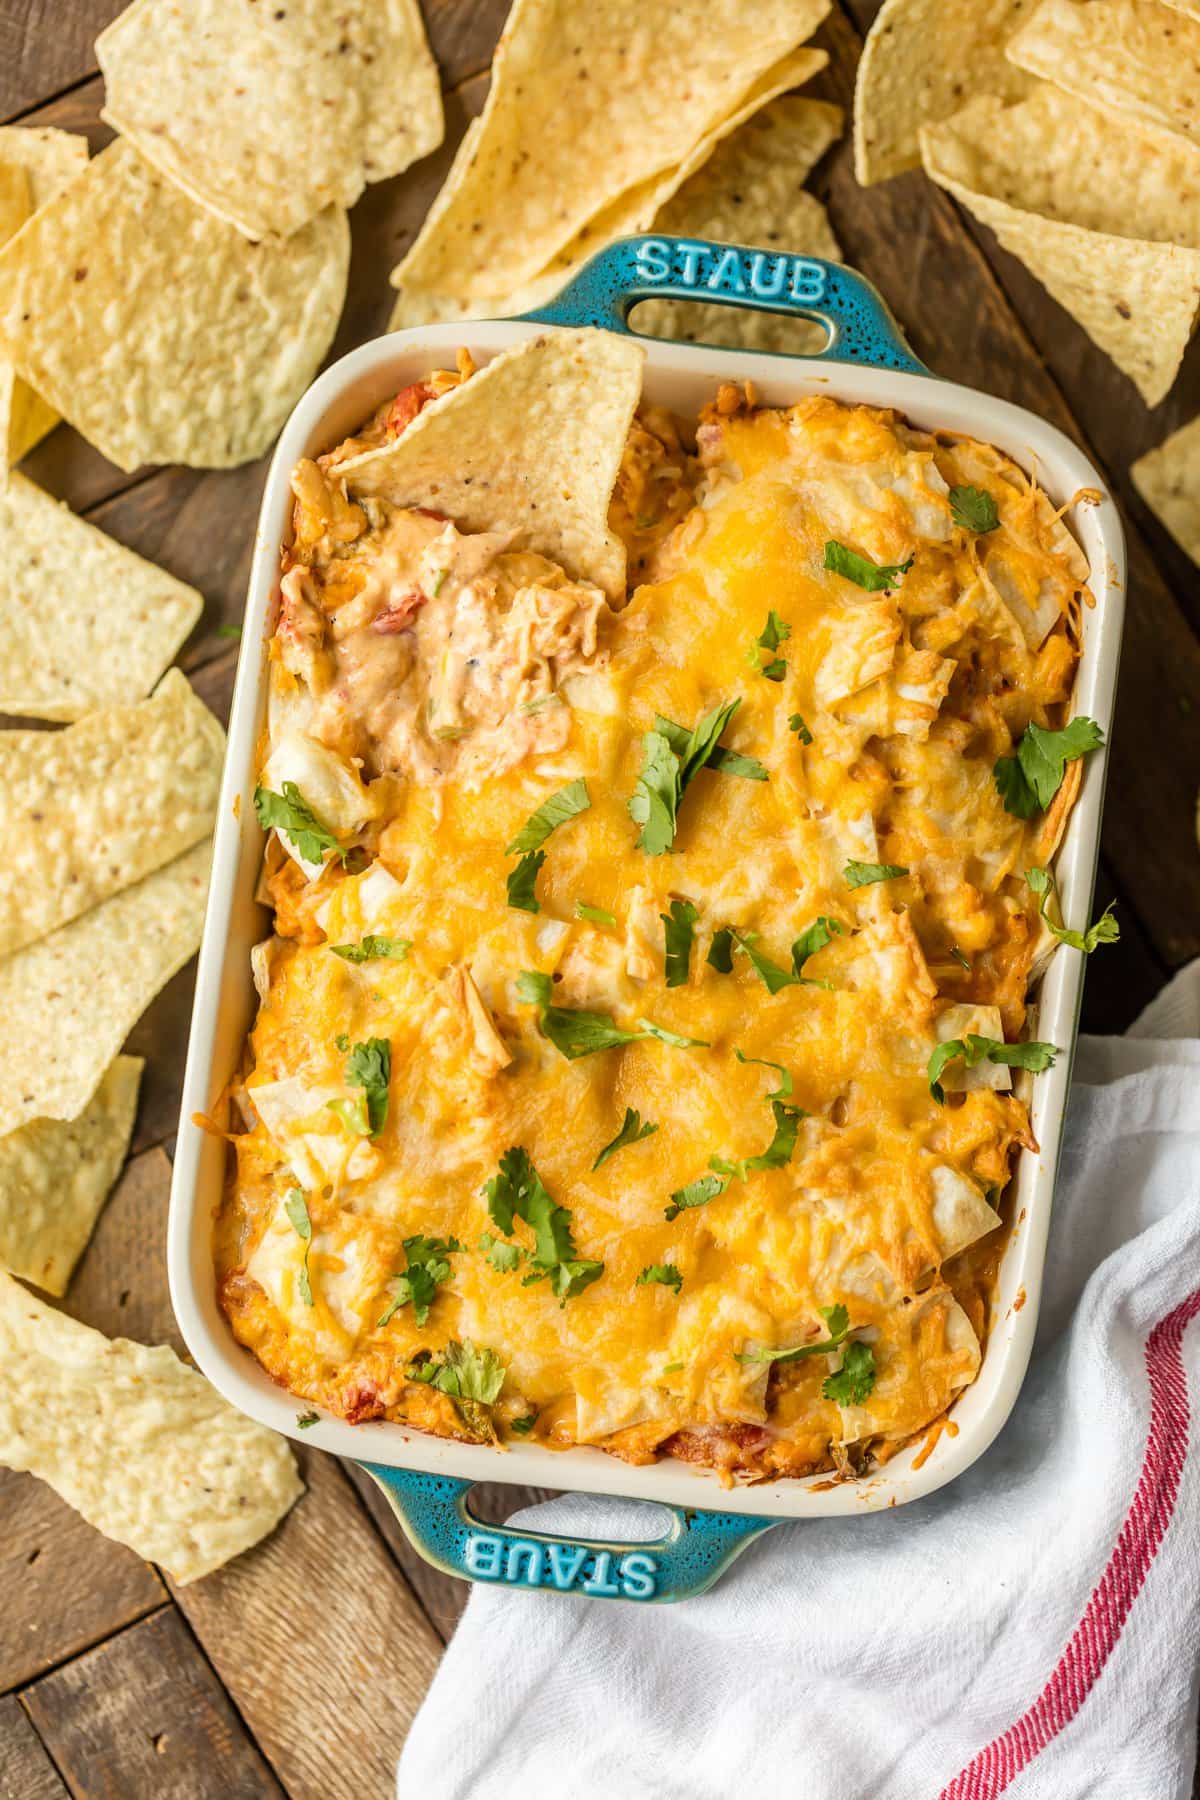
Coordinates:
[910,696]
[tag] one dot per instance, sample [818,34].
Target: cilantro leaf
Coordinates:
[796,724]
[837,1320]
[370,1067]
[696,1193]
[595,915]
[369,949]
[463,1371]
[575,1033]
[773,978]
[861,874]
[304,1420]
[680,930]
[725,762]
[720,951]
[518,1192]
[822,931]
[973,1050]
[235,632]
[667,772]
[521,883]
[974,509]
[1104,931]
[778,1151]
[296,1207]
[342,1042]
[566,804]
[784,1090]
[875,577]
[290,813]
[632,1132]
[428,1266]
[353,1114]
[660,1275]
[855,1380]
[776,631]
[504,1258]
[523,1427]
[1028,781]
[654,803]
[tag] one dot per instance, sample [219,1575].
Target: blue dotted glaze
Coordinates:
[609,286]
[436,1518]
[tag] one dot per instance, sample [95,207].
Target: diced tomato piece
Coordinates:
[399,615]
[406,406]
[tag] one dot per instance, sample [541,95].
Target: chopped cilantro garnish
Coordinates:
[720,951]
[428,1266]
[837,1320]
[369,1067]
[521,882]
[304,1420]
[959,958]
[875,577]
[290,813]
[341,1042]
[778,1151]
[235,632]
[855,1380]
[796,724]
[504,1258]
[1028,781]
[667,772]
[773,976]
[776,631]
[632,1132]
[370,949]
[518,1192]
[464,1372]
[523,1427]
[575,1033]
[296,1207]
[863,874]
[594,915]
[784,1090]
[680,928]
[973,1050]
[566,804]
[724,761]
[1104,931]
[974,509]
[353,1114]
[696,1193]
[660,1275]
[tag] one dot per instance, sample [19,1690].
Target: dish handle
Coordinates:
[607,288]
[433,1510]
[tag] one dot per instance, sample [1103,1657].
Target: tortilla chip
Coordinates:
[56,1174]
[636,210]
[159,331]
[135,1440]
[1124,56]
[582,108]
[750,191]
[46,160]
[68,1002]
[1189,7]
[1168,479]
[267,114]
[1063,186]
[920,59]
[90,810]
[574,393]
[83,621]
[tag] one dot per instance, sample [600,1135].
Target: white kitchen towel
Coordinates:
[1032,1627]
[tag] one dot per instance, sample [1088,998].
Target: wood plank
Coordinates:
[65,1587]
[47,45]
[357,1681]
[26,1771]
[144,1714]
[907,237]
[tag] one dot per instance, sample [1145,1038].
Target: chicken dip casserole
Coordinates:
[659,819]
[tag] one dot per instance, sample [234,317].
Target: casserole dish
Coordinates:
[428,1479]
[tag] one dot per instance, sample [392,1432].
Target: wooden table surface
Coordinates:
[298,1669]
